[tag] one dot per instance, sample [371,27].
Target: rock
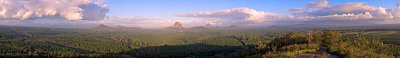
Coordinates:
[101,27]
[178,25]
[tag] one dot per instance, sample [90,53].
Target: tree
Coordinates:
[331,36]
[309,37]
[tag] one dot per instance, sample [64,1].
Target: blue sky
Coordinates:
[167,8]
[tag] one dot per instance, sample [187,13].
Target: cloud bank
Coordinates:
[317,13]
[53,9]
[352,12]
[236,16]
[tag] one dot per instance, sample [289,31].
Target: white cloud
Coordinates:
[64,9]
[354,12]
[354,8]
[236,15]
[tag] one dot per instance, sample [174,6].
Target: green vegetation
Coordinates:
[355,46]
[207,43]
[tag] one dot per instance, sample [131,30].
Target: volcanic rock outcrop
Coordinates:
[178,25]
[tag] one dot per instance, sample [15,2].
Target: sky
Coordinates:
[163,13]
[166,8]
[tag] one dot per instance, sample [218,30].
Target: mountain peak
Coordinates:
[102,26]
[178,25]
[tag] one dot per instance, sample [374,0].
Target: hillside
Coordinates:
[144,43]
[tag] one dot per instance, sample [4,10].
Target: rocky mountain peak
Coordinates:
[102,26]
[178,25]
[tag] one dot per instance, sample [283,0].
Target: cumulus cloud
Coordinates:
[60,9]
[354,12]
[238,15]
[353,8]
[317,13]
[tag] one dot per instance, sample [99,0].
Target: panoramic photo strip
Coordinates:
[199,28]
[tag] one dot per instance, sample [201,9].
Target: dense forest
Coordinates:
[197,43]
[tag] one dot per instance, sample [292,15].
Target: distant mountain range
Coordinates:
[179,26]
[304,26]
